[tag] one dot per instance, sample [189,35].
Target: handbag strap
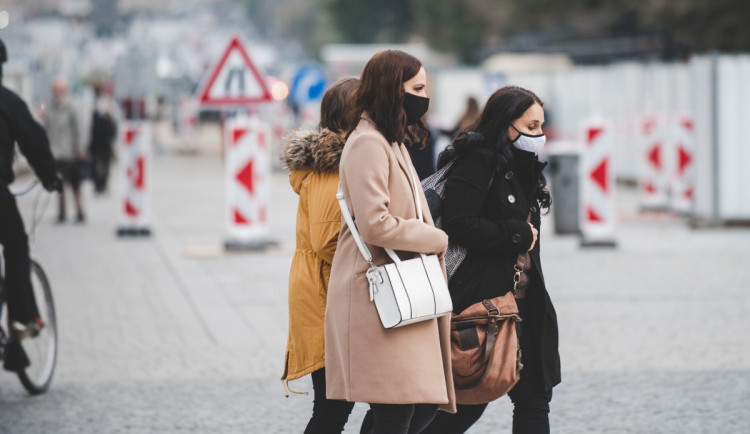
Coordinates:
[355,233]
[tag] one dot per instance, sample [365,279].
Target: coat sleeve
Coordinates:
[367,170]
[33,142]
[466,190]
[324,215]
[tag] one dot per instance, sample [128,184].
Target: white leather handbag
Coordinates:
[404,292]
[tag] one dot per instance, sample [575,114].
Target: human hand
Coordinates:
[535,234]
[55,184]
[441,255]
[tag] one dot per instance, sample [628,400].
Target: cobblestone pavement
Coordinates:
[168,334]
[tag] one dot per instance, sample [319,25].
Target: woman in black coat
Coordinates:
[493,198]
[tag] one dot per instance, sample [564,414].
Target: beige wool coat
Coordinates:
[364,361]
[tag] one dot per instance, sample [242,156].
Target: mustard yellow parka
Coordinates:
[312,158]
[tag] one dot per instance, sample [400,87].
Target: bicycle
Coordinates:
[41,350]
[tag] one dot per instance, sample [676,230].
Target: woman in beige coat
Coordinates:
[405,372]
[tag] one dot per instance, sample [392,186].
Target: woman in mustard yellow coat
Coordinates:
[313,161]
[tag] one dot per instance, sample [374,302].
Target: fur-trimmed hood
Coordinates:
[311,151]
[315,150]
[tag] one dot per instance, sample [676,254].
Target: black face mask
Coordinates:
[415,107]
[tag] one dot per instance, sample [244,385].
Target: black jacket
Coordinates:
[489,219]
[103,133]
[18,126]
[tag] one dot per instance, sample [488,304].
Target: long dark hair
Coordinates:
[380,96]
[490,131]
[336,104]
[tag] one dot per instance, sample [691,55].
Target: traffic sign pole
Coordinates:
[234,83]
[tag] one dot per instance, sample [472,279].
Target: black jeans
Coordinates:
[329,415]
[21,304]
[530,398]
[398,418]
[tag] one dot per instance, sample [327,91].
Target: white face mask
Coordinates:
[529,143]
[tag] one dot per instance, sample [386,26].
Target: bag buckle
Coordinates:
[516,276]
[492,310]
[374,279]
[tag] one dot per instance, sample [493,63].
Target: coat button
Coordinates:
[516,238]
[511,198]
[509,175]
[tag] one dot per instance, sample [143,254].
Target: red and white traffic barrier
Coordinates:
[683,177]
[135,161]
[248,182]
[653,175]
[597,214]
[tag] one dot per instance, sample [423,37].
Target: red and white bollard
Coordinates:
[653,176]
[248,183]
[597,214]
[135,161]
[683,178]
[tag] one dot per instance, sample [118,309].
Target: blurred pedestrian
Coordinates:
[18,126]
[493,197]
[313,161]
[103,133]
[61,123]
[469,116]
[404,372]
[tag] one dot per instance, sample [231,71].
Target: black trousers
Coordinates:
[398,418]
[529,396]
[329,415]
[101,161]
[21,304]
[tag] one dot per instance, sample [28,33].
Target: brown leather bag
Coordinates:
[485,350]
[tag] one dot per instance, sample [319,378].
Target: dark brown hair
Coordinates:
[381,96]
[336,105]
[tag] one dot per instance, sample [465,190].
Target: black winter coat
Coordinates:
[489,219]
[18,126]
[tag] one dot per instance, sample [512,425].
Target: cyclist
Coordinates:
[18,126]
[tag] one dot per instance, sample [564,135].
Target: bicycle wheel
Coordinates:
[42,349]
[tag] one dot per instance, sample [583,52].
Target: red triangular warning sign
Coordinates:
[239,218]
[246,177]
[654,156]
[592,134]
[599,175]
[237,135]
[684,158]
[234,80]
[592,215]
[129,135]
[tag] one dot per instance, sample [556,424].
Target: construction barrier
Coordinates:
[683,177]
[248,182]
[135,160]
[653,175]
[597,185]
